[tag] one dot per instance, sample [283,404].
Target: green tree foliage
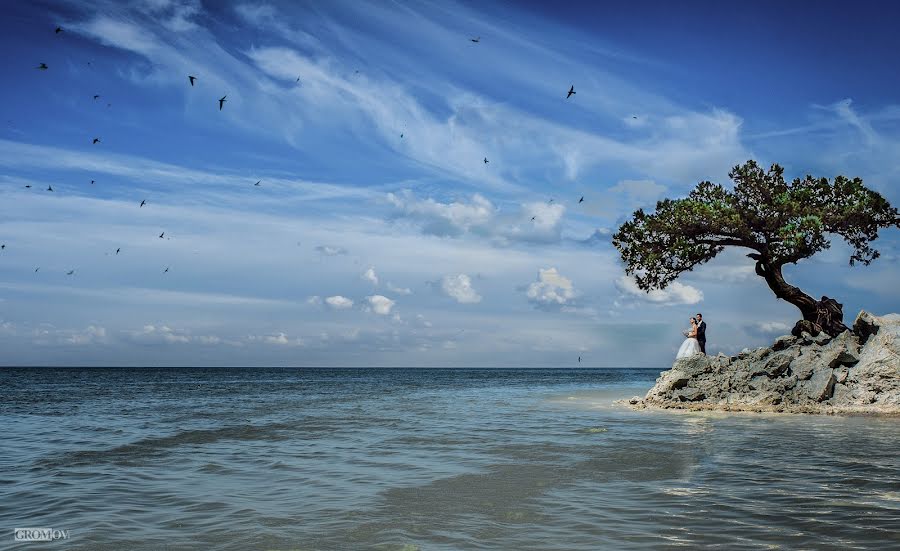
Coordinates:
[781,223]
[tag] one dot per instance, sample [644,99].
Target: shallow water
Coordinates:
[430,459]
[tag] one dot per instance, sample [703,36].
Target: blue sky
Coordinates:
[362,247]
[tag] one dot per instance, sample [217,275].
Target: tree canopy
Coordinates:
[780,222]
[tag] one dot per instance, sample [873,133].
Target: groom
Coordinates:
[701,333]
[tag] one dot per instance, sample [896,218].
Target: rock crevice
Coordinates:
[857,371]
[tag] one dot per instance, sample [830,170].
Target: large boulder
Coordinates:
[851,372]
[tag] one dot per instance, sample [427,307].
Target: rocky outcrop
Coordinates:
[857,371]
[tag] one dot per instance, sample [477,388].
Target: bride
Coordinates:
[690,346]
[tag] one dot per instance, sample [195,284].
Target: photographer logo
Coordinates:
[39,534]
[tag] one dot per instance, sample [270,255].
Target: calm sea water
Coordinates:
[404,459]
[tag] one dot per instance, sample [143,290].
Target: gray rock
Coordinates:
[803,366]
[777,364]
[784,342]
[864,326]
[840,374]
[821,385]
[760,382]
[855,371]
[689,394]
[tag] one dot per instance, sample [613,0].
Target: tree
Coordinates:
[780,223]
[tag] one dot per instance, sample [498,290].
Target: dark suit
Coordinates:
[701,336]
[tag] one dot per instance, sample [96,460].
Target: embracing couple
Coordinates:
[695,343]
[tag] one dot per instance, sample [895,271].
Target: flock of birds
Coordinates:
[192,80]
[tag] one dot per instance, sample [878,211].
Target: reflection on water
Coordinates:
[430,459]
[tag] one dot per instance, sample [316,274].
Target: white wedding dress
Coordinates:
[689,347]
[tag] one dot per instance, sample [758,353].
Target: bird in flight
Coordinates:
[532,218]
[581,200]
[118,249]
[49,188]
[96,140]
[192,79]
[2,247]
[401,134]
[298,78]
[143,203]
[476,40]
[92,182]
[166,270]
[36,269]
[222,102]
[70,272]
[28,186]
[96,96]
[162,234]
[58,30]
[257,183]
[550,201]
[485,160]
[43,67]
[579,359]
[571,91]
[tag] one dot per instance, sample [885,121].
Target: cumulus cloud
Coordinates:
[550,289]
[380,304]
[328,250]
[675,293]
[452,218]
[459,287]
[534,222]
[91,335]
[167,335]
[369,275]
[399,290]
[769,328]
[546,215]
[339,303]
[277,339]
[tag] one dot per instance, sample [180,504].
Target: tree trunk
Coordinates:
[786,291]
[818,315]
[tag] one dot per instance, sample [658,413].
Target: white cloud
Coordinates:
[452,218]
[422,321]
[314,300]
[547,216]
[675,293]
[380,304]
[369,275]
[339,303]
[537,221]
[771,328]
[91,335]
[459,287]
[278,339]
[329,250]
[167,335]
[551,288]
[399,290]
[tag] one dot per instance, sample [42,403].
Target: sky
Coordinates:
[377,235]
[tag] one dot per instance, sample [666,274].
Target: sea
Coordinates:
[424,459]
